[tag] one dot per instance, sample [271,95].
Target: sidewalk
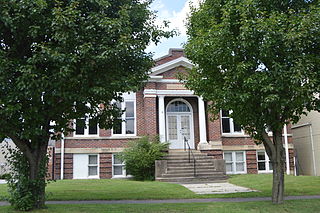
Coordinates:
[209,200]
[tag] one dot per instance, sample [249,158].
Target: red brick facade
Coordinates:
[147,123]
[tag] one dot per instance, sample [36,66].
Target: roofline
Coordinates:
[181,61]
[170,53]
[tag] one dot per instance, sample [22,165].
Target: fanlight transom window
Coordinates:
[178,106]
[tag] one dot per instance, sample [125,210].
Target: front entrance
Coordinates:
[179,124]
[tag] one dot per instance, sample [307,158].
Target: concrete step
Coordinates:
[187,174]
[183,157]
[177,161]
[187,164]
[191,179]
[190,169]
[177,168]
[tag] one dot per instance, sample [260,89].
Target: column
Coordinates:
[162,119]
[202,121]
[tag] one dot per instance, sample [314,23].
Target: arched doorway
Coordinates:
[179,117]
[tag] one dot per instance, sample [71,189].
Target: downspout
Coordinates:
[62,157]
[287,149]
[312,144]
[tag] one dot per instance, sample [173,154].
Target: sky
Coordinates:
[174,11]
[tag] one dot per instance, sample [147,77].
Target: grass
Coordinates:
[298,206]
[107,189]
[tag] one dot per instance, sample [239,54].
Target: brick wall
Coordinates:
[251,160]
[105,165]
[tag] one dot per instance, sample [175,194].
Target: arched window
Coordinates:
[178,106]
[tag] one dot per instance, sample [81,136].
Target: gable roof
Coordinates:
[181,61]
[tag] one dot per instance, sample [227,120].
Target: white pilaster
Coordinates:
[202,121]
[162,119]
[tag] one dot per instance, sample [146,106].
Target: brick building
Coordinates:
[166,108]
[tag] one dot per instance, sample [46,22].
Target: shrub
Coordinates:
[20,185]
[140,156]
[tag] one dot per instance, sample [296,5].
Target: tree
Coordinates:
[260,59]
[60,60]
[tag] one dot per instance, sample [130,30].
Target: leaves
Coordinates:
[258,58]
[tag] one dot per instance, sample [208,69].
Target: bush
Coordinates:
[20,186]
[140,157]
[5,176]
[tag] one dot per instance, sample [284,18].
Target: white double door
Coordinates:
[179,126]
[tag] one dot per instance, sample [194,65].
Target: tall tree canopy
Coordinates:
[260,59]
[59,60]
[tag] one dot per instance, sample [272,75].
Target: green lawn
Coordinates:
[298,206]
[125,189]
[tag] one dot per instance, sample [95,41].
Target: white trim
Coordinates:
[161,80]
[202,121]
[98,167]
[266,161]
[86,129]
[232,133]
[127,97]
[123,169]
[234,161]
[181,61]
[168,92]
[192,141]
[162,118]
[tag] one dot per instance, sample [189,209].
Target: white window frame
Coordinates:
[123,168]
[231,123]
[97,165]
[266,161]
[233,153]
[86,129]
[127,97]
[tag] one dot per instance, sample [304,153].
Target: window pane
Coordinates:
[93,170]
[226,125]
[93,159]
[240,167]
[130,126]
[93,127]
[239,156]
[185,126]
[236,127]
[118,170]
[117,160]
[172,126]
[228,157]
[229,167]
[129,109]
[261,166]
[261,156]
[80,125]
[178,106]
[270,166]
[225,113]
[117,127]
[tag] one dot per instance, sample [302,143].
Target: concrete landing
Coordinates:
[216,188]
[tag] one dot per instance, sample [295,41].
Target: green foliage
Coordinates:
[5,176]
[140,157]
[258,58]
[20,186]
[63,60]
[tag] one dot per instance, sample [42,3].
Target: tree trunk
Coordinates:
[278,169]
[37,174]
[37,177]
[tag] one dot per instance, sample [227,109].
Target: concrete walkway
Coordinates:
[208,200]
[3,181]
[216,188]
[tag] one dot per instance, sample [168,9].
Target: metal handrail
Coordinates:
[190,152]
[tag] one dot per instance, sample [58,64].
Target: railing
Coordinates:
[189,155]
